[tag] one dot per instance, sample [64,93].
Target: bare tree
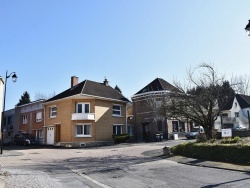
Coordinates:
[241,84]
[200,98]
[40,95]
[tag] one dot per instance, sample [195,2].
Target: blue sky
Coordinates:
[130,42]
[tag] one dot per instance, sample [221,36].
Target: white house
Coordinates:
[235,113]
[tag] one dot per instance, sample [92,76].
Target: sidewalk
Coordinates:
[198,162]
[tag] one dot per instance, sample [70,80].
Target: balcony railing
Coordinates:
[83,116]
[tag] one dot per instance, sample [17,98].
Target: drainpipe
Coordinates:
[248,118]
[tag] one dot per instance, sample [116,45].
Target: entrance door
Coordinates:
[50,135]
[146,132]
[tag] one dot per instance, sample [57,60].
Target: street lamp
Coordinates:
[247,28]
[14,79]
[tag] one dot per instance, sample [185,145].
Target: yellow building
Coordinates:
[88,113]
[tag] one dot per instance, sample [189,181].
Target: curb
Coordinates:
[215,167]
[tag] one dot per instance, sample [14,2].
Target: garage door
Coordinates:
[50,135]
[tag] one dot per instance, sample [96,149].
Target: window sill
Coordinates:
[51,117]
[84,136]
[117,116]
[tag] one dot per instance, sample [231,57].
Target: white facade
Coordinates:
[235,117]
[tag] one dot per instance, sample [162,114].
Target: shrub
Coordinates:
[236,139]
[121,138]
[201,138]
[214,152]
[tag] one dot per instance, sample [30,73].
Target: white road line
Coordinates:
[92,180]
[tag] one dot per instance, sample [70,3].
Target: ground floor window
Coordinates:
[159,125]
[117,129]
[175,126]
[83,130]
[130,130]
[181,126]
[40,133]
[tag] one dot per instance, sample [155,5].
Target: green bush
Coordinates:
[214,152]
[121,138]
[230,140]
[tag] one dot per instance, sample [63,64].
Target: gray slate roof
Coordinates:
[92,88]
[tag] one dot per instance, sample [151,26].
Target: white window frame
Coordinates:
[83,125]
[25,119]
[83,107]
[117,110]
[117,125]
[51,111]
[38,116]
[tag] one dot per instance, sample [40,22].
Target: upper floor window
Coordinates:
[236,114]
[38,116]
[53,111]
[82,108]
[117,110]
[25,119]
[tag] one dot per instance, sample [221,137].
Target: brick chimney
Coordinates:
[106,82]
[74,81]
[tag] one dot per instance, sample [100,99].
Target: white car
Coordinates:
[194,132]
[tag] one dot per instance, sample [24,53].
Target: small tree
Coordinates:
[25,98]
[40,95]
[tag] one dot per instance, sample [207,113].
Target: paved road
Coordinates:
[128,165]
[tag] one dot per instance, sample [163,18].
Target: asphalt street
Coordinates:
[125,165]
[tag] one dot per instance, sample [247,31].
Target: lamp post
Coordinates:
[14,79]
[247,28]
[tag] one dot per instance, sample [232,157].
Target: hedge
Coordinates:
[121,138]
[218,152]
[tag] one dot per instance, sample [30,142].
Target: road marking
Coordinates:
[92,180]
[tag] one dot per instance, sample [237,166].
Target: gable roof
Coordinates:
[243,100]
[157,85]
[229,104]
[92,88]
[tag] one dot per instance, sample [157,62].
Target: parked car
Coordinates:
[6,141]
[24,139]
[239,128]
[194,132]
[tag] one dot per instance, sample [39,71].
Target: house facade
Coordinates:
[8,124]
[29,118]
[235,114]
[147,122]
[88,113]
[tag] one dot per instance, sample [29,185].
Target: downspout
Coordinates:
[126,121]
[44,124]
[248,118]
